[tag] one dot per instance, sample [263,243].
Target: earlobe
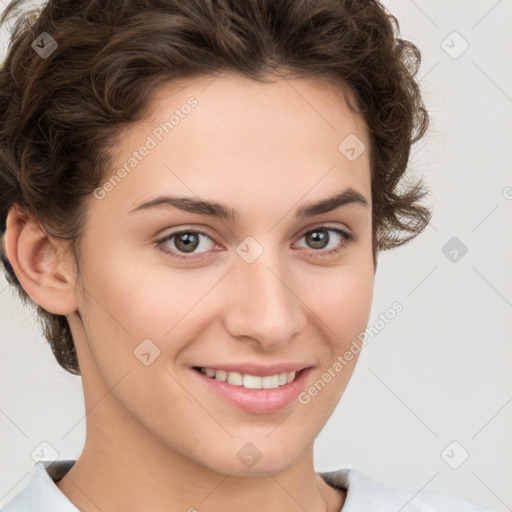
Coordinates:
[40,265]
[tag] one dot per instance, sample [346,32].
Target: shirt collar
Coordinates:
[41,492]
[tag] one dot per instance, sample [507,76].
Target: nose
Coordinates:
[264,303]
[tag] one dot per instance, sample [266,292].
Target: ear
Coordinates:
[41,264]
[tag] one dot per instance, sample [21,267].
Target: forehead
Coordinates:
[232,101]
[244,141]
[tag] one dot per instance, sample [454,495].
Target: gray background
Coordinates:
[440,372]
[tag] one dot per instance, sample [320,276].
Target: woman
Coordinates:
[193,196]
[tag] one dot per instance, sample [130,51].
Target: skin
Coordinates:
[264,149]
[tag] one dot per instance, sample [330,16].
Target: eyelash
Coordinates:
[347,238]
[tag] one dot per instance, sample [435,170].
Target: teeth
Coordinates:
[235,378]
[219,375]
[270,382]
[251,381]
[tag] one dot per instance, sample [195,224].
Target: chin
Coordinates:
[245,458]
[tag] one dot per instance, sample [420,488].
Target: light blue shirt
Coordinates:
[363,494]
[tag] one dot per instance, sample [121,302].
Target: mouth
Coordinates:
[249,381]
[256,394]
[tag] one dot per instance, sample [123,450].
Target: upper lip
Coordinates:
[258,369]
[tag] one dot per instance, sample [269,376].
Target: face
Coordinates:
[169,289]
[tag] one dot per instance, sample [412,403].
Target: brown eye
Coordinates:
[184,242]
[320,238]
[179,243]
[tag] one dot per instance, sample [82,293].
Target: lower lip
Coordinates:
[257,400]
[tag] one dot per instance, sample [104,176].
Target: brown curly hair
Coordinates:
[60,115]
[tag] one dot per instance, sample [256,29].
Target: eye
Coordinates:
[188,240]
[319,239]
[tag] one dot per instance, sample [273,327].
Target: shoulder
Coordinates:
[364,493]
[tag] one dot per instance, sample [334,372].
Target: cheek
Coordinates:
[129,300]
[342,312]
[342,298]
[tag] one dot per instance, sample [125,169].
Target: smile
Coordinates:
[250,381]
[258,394]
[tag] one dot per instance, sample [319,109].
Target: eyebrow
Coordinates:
[221,211]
